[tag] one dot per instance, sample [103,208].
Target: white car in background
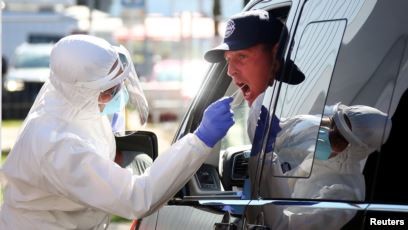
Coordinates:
[171,87]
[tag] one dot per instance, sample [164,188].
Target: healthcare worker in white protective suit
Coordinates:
[60,173]
[344,142]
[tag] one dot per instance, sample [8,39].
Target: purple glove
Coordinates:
[217,119]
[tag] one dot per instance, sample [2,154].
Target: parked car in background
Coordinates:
[171,87]
[28,70]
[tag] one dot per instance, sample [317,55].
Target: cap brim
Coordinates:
[217,54]
[294,77]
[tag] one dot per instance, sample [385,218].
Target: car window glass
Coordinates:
[307,112]
[379,89]
[301,106]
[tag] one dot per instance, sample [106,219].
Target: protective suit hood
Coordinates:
[370,128]
[93,56]
[83,66]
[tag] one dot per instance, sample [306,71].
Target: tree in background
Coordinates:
[216,16]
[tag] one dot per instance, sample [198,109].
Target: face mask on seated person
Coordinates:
[323,147]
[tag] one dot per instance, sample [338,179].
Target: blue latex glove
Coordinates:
[217,119]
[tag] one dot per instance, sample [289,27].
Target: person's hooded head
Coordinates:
[253,45]
[88,76]
[361,129]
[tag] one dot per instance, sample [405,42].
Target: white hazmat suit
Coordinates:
[60,173]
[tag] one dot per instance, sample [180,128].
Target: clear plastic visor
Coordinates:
[124,102]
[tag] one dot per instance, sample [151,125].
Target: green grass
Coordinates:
[5,124]
[118,219]
[3,156]
[11,123]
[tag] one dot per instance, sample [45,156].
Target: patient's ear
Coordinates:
[275,49]
[276,61]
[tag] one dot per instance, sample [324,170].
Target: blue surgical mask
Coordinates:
[323,147]
[117,103]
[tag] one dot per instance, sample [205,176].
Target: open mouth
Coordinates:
[245,89]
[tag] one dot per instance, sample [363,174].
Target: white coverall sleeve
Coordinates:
[78,173]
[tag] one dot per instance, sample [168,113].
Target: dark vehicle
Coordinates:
[350,51]
[28,71]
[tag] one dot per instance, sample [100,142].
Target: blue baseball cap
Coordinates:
[244,30]
[250,28]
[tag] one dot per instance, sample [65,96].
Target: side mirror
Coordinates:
[139,144]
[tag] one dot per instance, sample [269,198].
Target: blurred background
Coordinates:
[167,39]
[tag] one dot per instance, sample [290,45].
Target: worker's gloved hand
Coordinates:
[217,119]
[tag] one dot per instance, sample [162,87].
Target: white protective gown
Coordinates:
[60,173]
[338,178]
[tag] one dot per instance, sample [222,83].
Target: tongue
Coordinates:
[246,90]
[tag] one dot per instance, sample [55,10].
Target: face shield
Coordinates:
[122,99]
